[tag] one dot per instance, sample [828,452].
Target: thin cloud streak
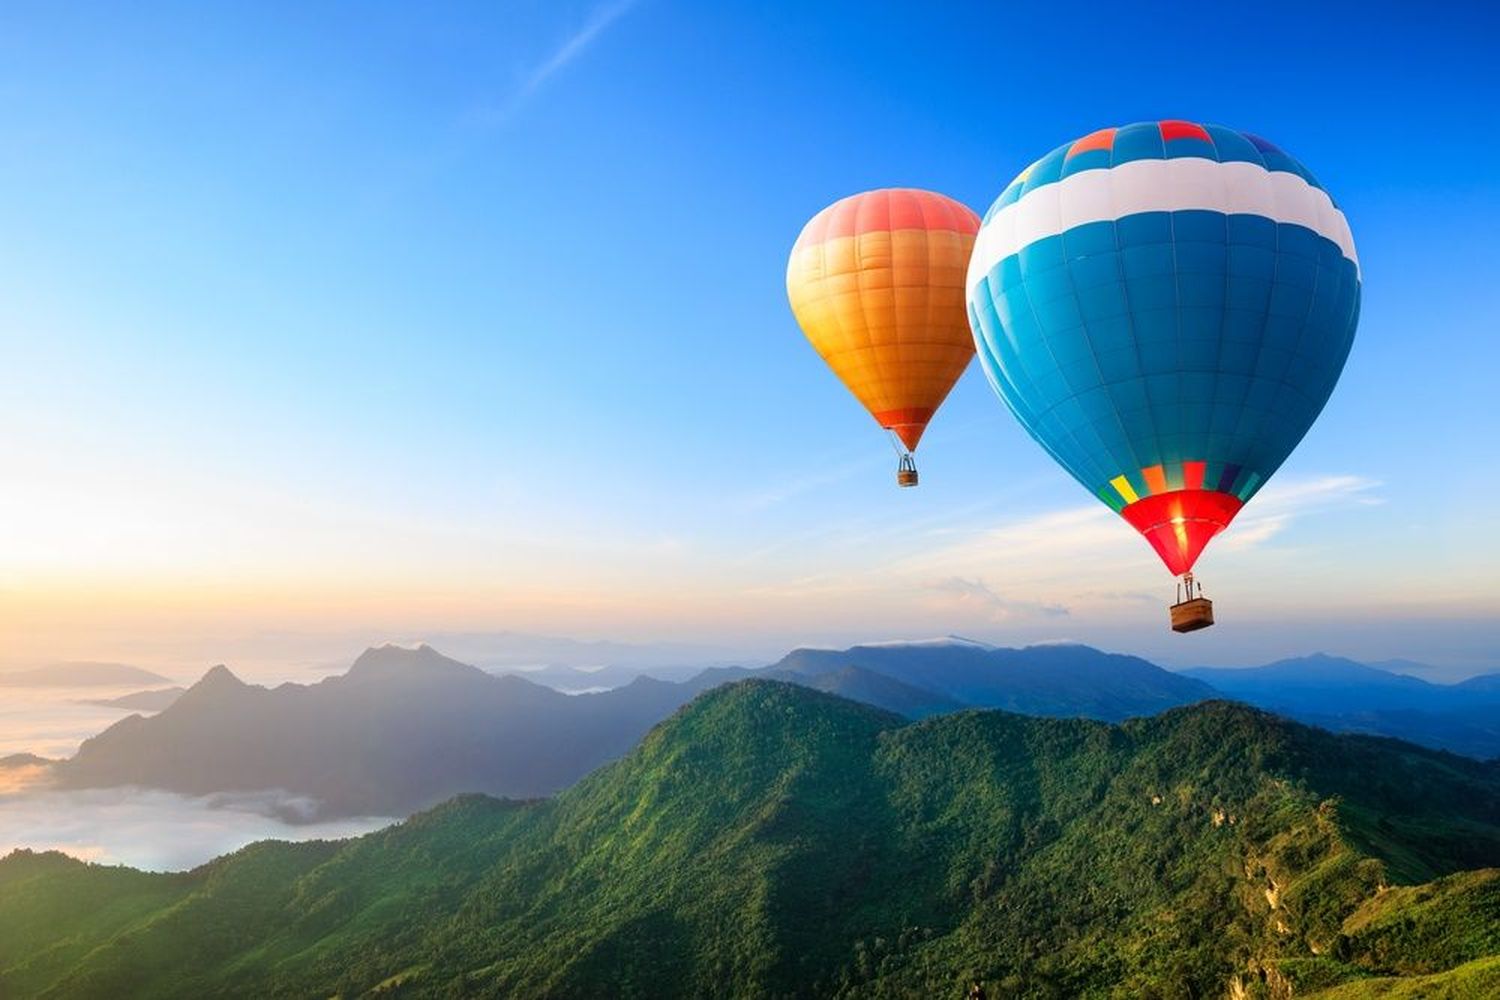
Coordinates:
[601,18]
[1278,505]
[598,21]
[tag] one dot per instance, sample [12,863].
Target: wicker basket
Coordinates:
[1191,615]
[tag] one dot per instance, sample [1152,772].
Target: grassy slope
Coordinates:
[1478,980]
[769,840]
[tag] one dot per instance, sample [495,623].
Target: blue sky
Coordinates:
[367,318]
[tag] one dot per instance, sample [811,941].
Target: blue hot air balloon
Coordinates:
[1166,307]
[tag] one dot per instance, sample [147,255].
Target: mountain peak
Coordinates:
[218,676]
[392,660]
[216,685]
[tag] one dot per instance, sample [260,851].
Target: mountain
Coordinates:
[402,730]
[854,683]
[1346,696]
[1060,680]
[1315,683]
[146,701]
[772,841]
[80,675]
[1484,684]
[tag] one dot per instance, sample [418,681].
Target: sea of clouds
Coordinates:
[157,830]
[140,827]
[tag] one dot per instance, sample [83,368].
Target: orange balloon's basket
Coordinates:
[906,472]
[1194,613]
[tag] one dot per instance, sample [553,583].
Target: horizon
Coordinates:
[471,322]
[667,661]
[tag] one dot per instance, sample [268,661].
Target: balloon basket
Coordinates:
[1194,613]
[906,472]
[1191,615]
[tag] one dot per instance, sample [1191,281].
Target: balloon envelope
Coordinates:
[1166,308]
[876,281]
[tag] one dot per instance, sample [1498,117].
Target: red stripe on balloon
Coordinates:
[1173,129]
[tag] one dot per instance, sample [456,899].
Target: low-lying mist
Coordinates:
[156,830]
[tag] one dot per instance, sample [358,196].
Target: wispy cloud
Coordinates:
[1279,504]
[599,19]
[1050,565]
[595,24]
[976,597]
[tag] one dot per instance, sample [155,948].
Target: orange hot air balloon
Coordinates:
[876,281]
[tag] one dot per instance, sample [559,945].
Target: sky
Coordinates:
[326,323]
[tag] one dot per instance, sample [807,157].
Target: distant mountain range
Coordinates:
[1346,696]
[772,841]
[405,728]
[80,675]
[1057,680]
[401,730]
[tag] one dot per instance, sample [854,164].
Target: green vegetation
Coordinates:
[1472,981]
[772,841]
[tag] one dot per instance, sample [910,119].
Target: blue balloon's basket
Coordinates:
[1191,615]
[1194,613]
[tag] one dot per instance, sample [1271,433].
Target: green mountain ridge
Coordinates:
[769,840]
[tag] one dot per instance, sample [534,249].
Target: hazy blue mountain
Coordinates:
[144,701]
[1057,680]
[1484,684]
[1320,682]
[80,675]
[406,728]
[1346,696]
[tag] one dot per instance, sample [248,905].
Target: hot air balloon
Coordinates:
[1166,307]
[876,281]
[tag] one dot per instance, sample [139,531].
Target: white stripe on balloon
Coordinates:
[1182,184]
